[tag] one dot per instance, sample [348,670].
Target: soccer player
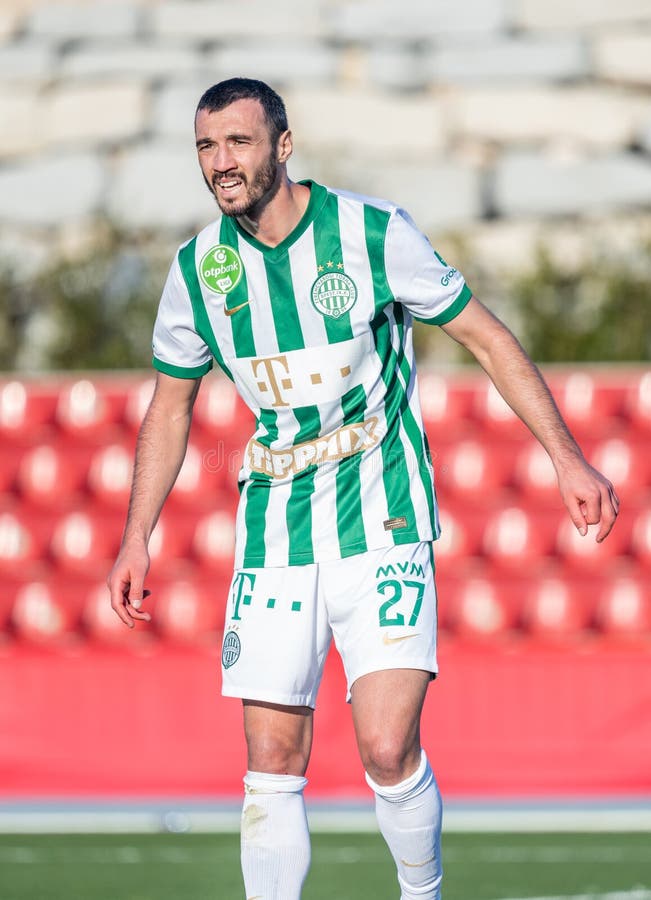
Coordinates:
[305,297]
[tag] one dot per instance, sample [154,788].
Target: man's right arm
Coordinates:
[160,451]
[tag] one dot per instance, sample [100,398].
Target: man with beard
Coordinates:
[305,297]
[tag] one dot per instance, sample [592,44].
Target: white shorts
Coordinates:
[380,606]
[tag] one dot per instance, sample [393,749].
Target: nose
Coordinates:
[223,159]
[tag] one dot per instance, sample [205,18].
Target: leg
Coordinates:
[386,713]
[275,839]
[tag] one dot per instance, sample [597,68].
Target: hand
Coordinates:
[589,497]
[125,582]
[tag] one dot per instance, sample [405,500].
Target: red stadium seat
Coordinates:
[494,413]
[110,473]
[461,533]
[46,612]
[638,402]
[475,468]
[91,410]
[559,608]
[52,474]
[26,408]
[224,420]
[583,552]
[641,539]
[188,611]
[102,624]
[481,609]
[625,608]
[534,475]
[446,406]
[201,480]
[517,538]
[137,402]
[22,541]
[9,463]
[626,463]
[213,545]
[85,542]
[589,404]
[171,541]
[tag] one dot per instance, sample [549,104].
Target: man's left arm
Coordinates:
[589,497]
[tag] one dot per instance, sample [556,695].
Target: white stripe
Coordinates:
[356,264]
[262,321]
[276,534]
[303,266]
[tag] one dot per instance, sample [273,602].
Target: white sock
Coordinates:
[409,815]
[275,841]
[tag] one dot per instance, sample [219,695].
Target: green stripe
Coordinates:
[283,305]
[256,497]
[329,258]
[415,434]
[299,505]
[376,223]
[240,322]
[395,472]
[350,521]
[187,262]
[452,311]
[182,371]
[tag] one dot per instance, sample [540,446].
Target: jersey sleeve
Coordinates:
[432,291]
[178,348]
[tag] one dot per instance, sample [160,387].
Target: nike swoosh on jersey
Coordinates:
[396,640]
[231,312]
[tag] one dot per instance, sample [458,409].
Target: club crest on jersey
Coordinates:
[334,294]
[221,269]
[231,649]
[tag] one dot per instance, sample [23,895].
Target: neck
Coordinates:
[279,216]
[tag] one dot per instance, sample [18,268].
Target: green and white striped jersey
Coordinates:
[316,333]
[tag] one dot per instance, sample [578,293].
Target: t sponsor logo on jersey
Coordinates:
[334,294]
[231,649]
[221,269]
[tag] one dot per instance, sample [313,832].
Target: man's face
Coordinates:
[238,161]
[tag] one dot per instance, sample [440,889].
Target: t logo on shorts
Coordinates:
[239,586]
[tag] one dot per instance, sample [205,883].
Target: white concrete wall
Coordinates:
[498,118]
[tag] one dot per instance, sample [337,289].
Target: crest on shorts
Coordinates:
[221,269]
[231,649]
[334,294]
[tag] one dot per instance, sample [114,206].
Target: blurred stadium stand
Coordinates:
[520,593]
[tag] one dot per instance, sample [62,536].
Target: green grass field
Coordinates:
[344,867]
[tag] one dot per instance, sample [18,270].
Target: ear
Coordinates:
[285,146]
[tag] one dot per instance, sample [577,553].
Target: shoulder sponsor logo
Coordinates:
[344,442]
[334,294]
[221,269]
[447,278]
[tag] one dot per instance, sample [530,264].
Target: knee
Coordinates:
[276,755]
[389,760]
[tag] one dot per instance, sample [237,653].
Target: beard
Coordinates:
[262,188]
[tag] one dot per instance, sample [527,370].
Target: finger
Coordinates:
[133,607]
[609,511]
[118,588]
[577,515]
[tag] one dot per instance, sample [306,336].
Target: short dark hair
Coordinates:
[221,95]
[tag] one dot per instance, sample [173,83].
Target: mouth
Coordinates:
[227,185]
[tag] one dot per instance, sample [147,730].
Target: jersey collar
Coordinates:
[317,199]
